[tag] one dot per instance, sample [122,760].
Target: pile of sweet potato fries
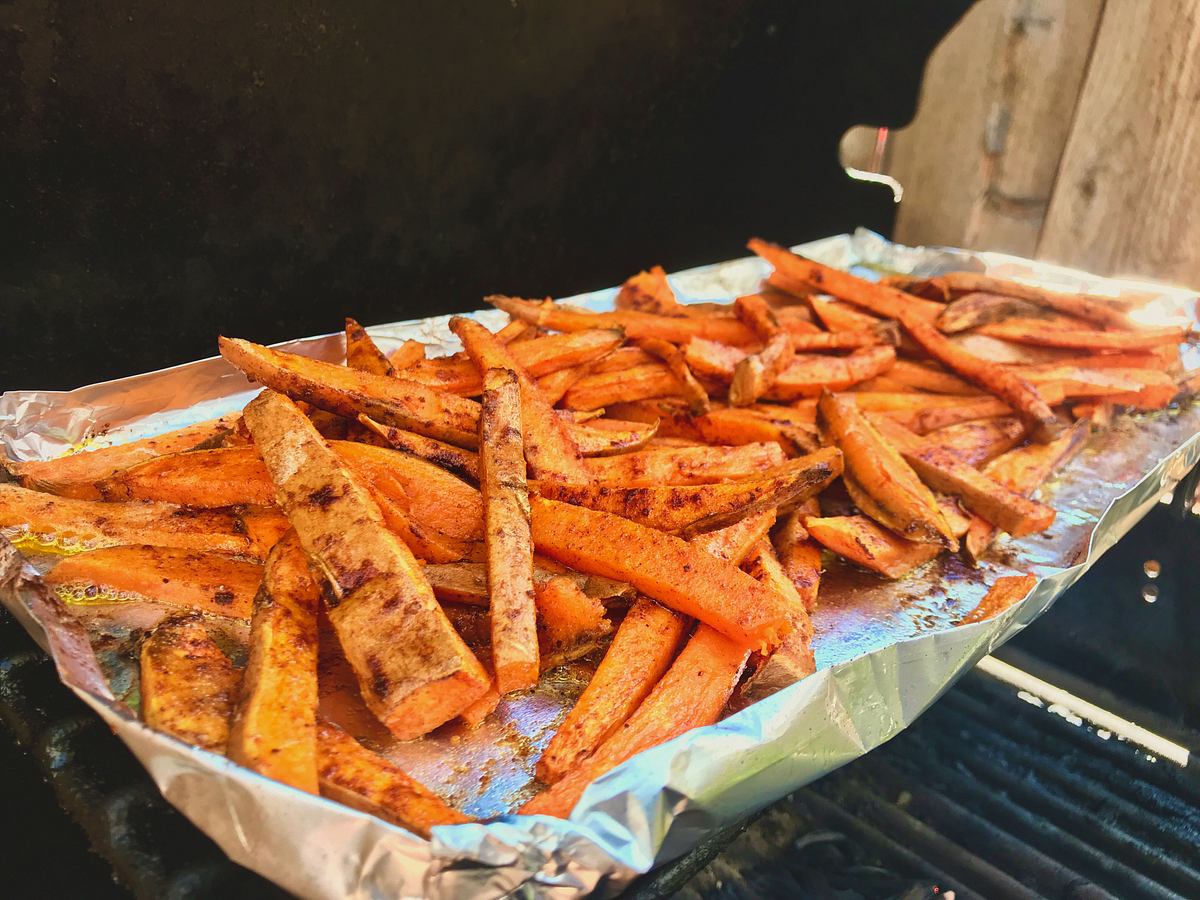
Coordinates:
[641,485]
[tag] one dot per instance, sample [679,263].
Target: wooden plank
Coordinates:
[979,162]
[1126,200]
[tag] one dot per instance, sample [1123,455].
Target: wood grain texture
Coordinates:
[979,162]
[1126,195]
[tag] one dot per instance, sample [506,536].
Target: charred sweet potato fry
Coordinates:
[457,461]
[793,659]
[686,465]
[1032,331]
[1004,592]
[663,567]
[353,775]
[841,317]
[406,355]
[1095,309]
[975,309]
[692,693]
[393,401]
[926,377]
[978,441]
[188,686]
[798,554]
[549,450]
[507,531]
[732,427]
[872,466]
[413,669]
[227,476]
[1023,470]
[691,390]
[641,383]
[861,541]
[693,509]
[274,729]
[650,292]
[69,524]
[467,582]
[879,299]
[1024,399]
[363,354]
[75,475]
[204,582]
[733,543]
[756,373]
[804,376]
[639,655]
[570,623]
[608,436]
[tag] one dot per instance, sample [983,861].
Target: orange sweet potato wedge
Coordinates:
[880,482]
[227,476]
[353,775]
[570,623]
[650,292]
[66,524]
[978,441]
[609,436]
[1004,592]
[188,686]
[640,653]
[274,728]
[75,475]
[190,579]
[693,509]
[549,450]
[798,553]
[363,354]
[693,693]
[466,582]
[665,568]
[596,391]
[731,427]
[406,355]
[806,375]
[926,377]
[861,541]
[455,460]
[1033,331]
[839,316]
[686,465]
[693,392]
[880,299]
[1099,310]
[413,669]
[507,532]
[347,392]
[980,308]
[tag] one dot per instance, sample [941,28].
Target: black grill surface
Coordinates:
[990,794]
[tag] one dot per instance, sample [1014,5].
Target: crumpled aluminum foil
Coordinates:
[885,650]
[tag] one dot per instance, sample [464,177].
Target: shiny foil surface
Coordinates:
[885,650]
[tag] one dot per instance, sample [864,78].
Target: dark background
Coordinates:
[169,171]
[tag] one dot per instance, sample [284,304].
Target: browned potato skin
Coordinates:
[188,685]
[363,354]
[353,775]
[507,533]
[274,729]
[204,582]
[109,524]
[347,392]
[414,670]
[693,509]
[880,482]
[76,474]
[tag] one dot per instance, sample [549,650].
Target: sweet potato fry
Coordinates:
[393,401]
[733,543]
[693,509]
[274,728]
[188,686]
[689,387]
[1032,331]
[1004,592]
[880,482]
[538,357]
[1023,470]
[732,427]
[636,325]
[841,317]
[978,441]
[692,693]
[353,775]
[609,436]
[640,653]
[798,554]
[861,541]
[757,373]
[943,471]
[553,387]
[570,623]
[69,525]
[548,446]
[650,292]
[413,669]
[622,358]
[686,465]
[804,376]
[457,461]
[1094,309]
[879,299]
[975,309]
[227,476]
[924,377]
[506,526]
[1024,399]
[467,582]
[930,288]
[924,421]
[640,383]
[792,660]
[1007,353]
[363,354]
[663,567]
[407,355]
[75,475]
[204,582]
